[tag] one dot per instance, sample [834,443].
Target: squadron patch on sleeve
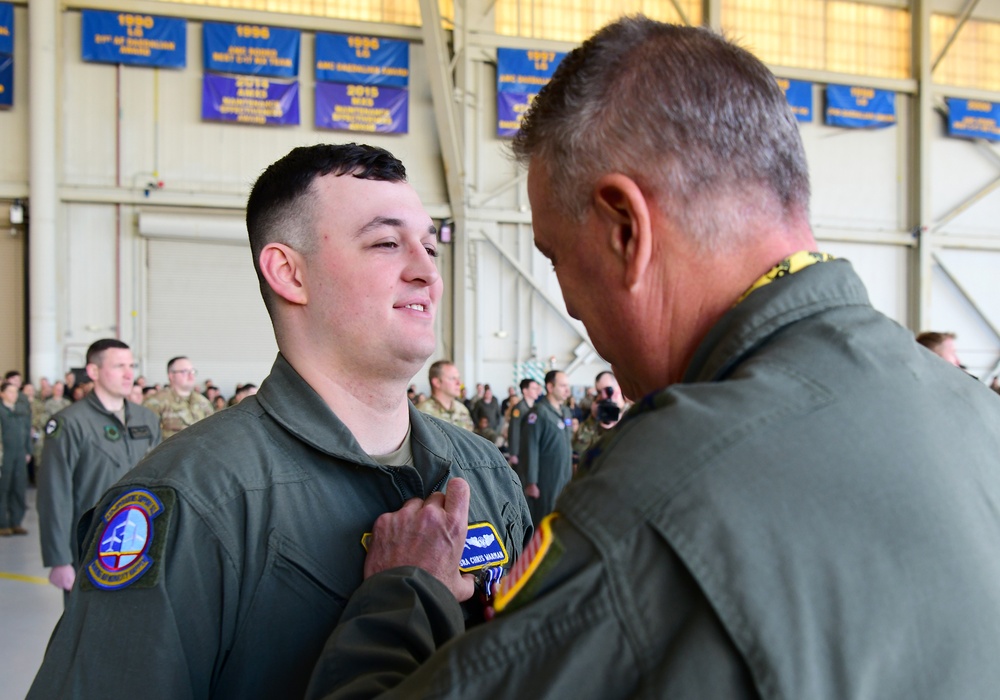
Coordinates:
[52,428]
[515,414]
[523,580]
[127,544]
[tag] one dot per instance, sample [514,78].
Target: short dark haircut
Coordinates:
[526,382]
[95,353]
[601,374]
[932,340]
[436,370]
[550,376]
[692,118]
[4,385]
[12,373]
[172,360]
[280,207]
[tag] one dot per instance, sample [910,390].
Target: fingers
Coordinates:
[456,500]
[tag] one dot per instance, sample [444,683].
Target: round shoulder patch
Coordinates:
[52,427]
[122,550]
[516,413]
[532,418]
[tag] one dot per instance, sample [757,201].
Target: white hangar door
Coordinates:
[203,301]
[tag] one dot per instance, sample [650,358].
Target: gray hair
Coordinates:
[694,119]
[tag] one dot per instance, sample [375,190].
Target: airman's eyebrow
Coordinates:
[390,222]
[379,222]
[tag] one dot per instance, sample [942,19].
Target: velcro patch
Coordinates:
[541,554]
[139,432]
[52,427]
[483,547]
[532,418]
[112,433]
[126,546]
[515,414]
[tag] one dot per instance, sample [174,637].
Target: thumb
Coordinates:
[456,500]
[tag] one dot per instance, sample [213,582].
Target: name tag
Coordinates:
[140,432]
[483,547]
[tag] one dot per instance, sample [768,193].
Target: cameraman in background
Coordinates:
[605,412]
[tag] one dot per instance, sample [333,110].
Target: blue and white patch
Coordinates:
[122,548]
[52,427]
[568,422]
[532,418]
[483,547]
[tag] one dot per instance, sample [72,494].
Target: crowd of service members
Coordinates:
[505,422]
[25,410]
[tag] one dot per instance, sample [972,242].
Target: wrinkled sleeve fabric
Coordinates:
[164,639]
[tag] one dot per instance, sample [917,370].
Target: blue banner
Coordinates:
[511,107]
[249,100]
[362,60]
[800,97]
[976,119]
[859,107]
[6,28]
[138,40]
[6,80]
[251,49]
[525,71]
[521,74]
[368,108]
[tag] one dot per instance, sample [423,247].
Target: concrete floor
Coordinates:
[29,608]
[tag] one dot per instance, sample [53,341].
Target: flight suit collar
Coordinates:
[95,402]
[771,308]
[296,406]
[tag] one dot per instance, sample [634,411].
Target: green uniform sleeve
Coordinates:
[57,531]
[164,637]
[399,618]
[530,436]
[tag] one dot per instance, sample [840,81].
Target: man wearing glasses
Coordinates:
[89,445]
[180,405]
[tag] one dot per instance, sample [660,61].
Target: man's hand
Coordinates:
[62,577]
[531,491]
[427,534]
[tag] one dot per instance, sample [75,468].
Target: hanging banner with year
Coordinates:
[521,74]
[859,107]
[6,28]
[974,119]
[138,40]
[373,109]
[362,60]
[251,49]
[249,100]
[800,97]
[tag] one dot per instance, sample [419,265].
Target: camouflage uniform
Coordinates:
[458,415]
[177,412]
[586,434]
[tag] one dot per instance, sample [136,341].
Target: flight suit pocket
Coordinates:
[294,610]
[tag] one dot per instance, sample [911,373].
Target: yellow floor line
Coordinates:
[26,579]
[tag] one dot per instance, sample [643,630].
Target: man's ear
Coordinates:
[620,204]
[92,371]
[284,270]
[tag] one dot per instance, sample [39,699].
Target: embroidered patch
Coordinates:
[532,418]
[540,555]
[52,428]
[140,432]
[483,547]
[515,414]
[112,433]
[123,546]
[568,422]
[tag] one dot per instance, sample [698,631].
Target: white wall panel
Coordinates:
[204,302]
[885,271]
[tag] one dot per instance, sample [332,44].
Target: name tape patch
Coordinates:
[483,548]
